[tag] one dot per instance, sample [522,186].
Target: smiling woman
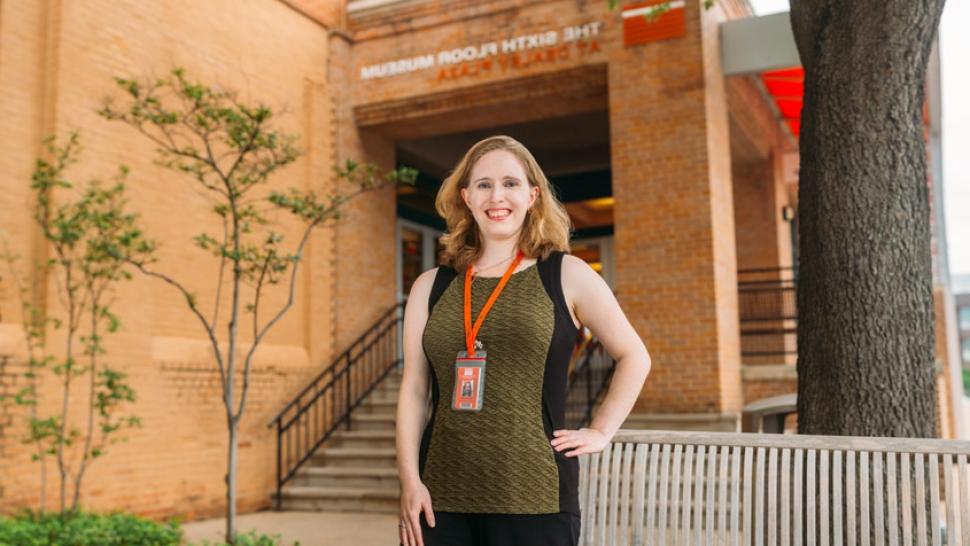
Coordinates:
[495,464]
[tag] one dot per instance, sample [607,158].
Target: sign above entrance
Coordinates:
[514,52]
[653,20]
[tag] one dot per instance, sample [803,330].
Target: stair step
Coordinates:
[363,438]
[349,456]
[373,421]
[355,477]
[341,499]
[378,406]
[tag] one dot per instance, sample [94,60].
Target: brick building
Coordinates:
[672,142]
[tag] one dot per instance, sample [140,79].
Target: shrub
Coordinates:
[86,529]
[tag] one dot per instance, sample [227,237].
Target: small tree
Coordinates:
[79,232]
[230,150]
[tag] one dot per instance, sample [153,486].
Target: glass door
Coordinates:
[417,252]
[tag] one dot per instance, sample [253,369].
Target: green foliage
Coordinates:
[230,148]
[656,10]
[80,528]
[252,538]
[91,236]
[966,381]
[86,529]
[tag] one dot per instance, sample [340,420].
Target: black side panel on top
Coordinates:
[555,380]
[442,279]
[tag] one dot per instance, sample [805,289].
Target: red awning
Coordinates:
[786,87]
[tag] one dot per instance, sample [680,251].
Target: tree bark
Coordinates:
[865,301]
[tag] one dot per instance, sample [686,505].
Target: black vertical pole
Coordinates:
[279,464]
[347,394]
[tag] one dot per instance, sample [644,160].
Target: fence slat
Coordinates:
[664,503]
[685,503]
[589,513]
[837,498]
[799,498]
[612,515]
[892,502]
[810,484]
[746,508]
[773,497]
[711,486]
[722,498]
[877,500]
[920,499]
[823,498]
[785,497]
[735,493]
[640,478]
[964,499]
[952,536]
[934,499]
[906,498]
[850,488]
[759,498]
[675,475]
[626,478]
[655,460]
[699,495]
[604,472]
[864,498]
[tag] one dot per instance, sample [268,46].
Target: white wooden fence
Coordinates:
[737,489]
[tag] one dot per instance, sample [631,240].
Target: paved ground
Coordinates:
[310,528]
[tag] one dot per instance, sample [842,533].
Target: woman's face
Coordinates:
[499,194]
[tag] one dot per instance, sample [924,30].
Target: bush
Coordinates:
[86,529]
[116,529]
[251,539]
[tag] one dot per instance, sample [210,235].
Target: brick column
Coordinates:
[365,284]
[674,221]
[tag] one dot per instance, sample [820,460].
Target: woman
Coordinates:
[492,333]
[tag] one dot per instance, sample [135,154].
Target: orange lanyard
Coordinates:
[471,332]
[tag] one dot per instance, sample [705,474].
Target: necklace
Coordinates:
[495,264]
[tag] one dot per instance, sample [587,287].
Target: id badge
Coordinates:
[469,393]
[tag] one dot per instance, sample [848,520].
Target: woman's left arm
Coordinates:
[596,308]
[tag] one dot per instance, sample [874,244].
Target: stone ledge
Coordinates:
[770,372]
[712,422]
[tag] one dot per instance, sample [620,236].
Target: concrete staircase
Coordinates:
[356,469]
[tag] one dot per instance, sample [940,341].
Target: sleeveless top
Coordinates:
[499,460]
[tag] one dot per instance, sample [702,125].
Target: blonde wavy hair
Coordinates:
[546,225]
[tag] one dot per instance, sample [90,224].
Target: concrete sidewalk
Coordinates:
[310,528]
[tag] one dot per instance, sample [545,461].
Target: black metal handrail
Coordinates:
[326,403]
[767,311]
[588,380]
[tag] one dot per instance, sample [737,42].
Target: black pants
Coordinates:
[458,529]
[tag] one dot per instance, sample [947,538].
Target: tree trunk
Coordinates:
[231,466]
[865,301]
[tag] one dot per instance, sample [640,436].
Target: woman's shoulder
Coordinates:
[422,285]
[575,271]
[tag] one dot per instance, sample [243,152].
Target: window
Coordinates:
[965,351]
[965,317]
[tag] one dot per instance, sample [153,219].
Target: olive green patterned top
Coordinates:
[498,460]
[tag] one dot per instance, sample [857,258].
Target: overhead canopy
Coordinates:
[765,47]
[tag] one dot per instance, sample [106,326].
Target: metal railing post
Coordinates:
[279,464]
[347,397]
